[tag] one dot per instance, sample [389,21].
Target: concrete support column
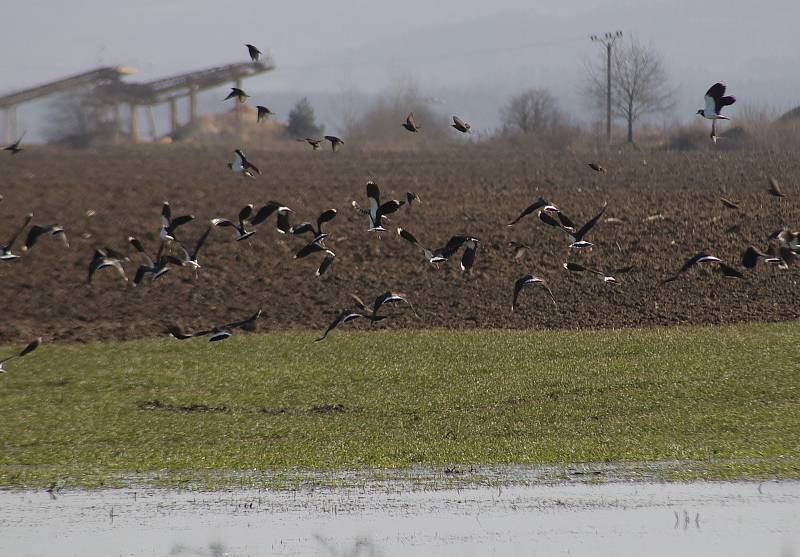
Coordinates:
[192,105]
[151,120]
[173,116]
[12,124]
[115,119]
[6,126]
[134,124]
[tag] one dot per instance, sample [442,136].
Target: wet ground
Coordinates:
[614,519]
[664,207]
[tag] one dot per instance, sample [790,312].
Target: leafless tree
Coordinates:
[534,110]
[639,83]
[76,118]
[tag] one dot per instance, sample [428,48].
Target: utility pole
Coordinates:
[607,40]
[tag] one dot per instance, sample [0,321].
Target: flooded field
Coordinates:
[619,519]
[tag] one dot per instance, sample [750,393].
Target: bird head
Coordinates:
[701,112]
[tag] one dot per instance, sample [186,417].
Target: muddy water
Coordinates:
[615,519]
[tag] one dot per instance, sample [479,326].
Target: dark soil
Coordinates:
[668,203]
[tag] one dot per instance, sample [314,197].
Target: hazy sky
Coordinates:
[474,53]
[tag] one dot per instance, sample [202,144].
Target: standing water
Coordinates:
[613,519]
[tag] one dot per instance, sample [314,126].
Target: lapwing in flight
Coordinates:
[15,148]
[410,124]
[237,94]
[263,113]
[254,52]
[336,143]
[377,211]
[434,257]
[315,143]
[22,353]
[168,224]
[381,300]
[241,232]
[349,315]
[51,230]
[715,100]
[528,280]
[106,259]
[242,165]
[282,224]
[460,125]
[6,254]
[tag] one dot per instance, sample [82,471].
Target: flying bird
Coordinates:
[241,232]
[315,143]
[168,224]
[376,212]
[381,300]
[412,197]
[190,259]
[335,142]
[460,125]
[241,164]
[6,249]
[263,113]
[24,352]
[715,100]
[315,246]
[519,248]
[596,167]
[219,332]
[470,244]
[576,238]
[774,187]
[155,267]
[237,94]
[701,257]
[15,148]
[728,203]
[546,210]
[528,280]
[254,52]
[348,315]
[410,124]
[319,235]
[607,277]
[106,259]
[51,230]
[282,223]
[434,257]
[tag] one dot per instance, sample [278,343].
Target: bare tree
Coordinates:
[639,83]
[77,118]
[534,110]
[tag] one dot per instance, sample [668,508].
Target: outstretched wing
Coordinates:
[343,317]
[538,204]
[588,226]
[13,238]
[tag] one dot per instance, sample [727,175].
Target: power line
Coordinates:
[607,40]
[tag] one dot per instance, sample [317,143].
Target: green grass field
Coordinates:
[727,398]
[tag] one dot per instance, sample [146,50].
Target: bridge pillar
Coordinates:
[173,116]
[6,126]
[115,119]
[134,124]
[193,105]
[151,120]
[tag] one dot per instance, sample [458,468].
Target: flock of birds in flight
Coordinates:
[783,244]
